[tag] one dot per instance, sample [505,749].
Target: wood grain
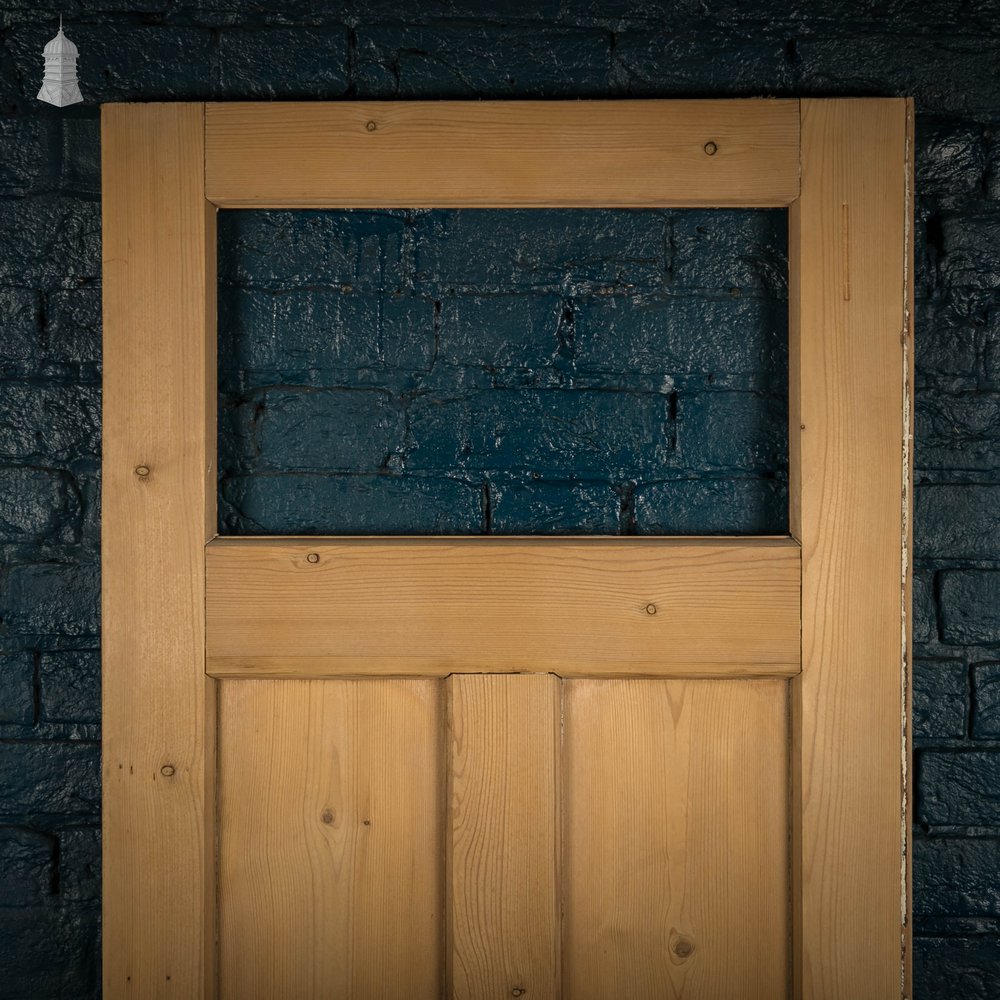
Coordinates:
[431,606]
[503,153]
[503,836]
[330,834]
[159,415]
[851,466]
[676,839]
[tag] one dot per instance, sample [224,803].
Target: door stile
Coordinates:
[158,512]
[850,467]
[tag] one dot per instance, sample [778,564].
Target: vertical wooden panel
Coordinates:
[159,419]
[503,837]
[850,461]
[330,864]
[676,839]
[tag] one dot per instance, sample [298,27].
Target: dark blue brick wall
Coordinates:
[946,53]
[522,372]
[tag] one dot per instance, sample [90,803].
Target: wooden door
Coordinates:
[477,768]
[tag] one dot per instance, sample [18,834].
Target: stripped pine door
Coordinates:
[552,768]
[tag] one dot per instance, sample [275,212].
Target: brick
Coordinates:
[45,779]
[519,507]
[971,260]
[957,521]
[80,166]
[30,150]
[953,967]
[992,178]
[37,504]
[651,63]
[958,788]
[618,337]
[940,698]
[49,422]
[318,250]
[27,866]
[597,251]
[925,627]
[301,335]
[956,431]
[420,60]
[313,62]
[986,701]
[50,951]
[744,506]
[970,607]
[72,331]
[53,598]
[48,240]
[732,430]
[19,337]
[946,342]
[950,159]
[578,434]
[991,346]
[956,73]
[80,864]
[956,877]
[348,430]
[70,686]
[731,249]
[353,504]
[17,688]
[521,332]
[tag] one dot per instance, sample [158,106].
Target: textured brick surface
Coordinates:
[970,607]
[678,315]
[959,788]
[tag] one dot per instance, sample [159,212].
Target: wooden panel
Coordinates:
[503,153]
[676,839]
[158,501]
[850,473]
[503,838]
[330,862]
[321,607]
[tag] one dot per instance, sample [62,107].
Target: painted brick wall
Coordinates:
[503,372]
[946,53]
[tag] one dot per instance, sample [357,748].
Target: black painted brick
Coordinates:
[952,967]
[49,778]
[17,687]
[751,506]
[49,422]
[957,430]
[940,699]
[970,607]
[957,521]
[956,876]
[313,61]
[37,504]
[52,598]
[959,788]
[27,866]
[286,503]
[70,686]
[986,701]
